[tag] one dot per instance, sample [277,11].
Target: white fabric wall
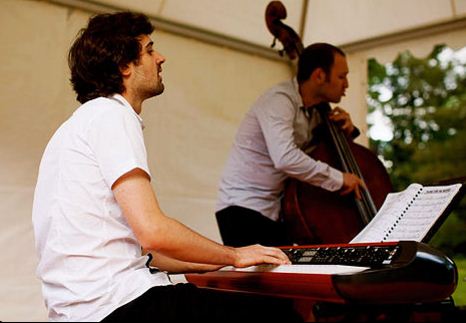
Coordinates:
[188,132]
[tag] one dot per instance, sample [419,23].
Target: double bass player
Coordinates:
[270,146]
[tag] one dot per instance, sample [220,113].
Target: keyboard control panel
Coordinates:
[366,256]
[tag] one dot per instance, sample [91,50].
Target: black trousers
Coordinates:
[187,303]
[240,226]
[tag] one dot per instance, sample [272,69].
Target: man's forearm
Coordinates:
[174,266]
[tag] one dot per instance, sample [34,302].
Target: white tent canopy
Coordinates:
[218,61]
[348,23]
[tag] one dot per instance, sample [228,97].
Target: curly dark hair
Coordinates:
[317,55]
[108,43]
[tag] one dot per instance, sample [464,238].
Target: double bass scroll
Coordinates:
[292,45]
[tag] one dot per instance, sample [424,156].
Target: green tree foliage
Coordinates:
[424,100]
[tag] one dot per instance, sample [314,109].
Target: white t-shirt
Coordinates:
[90,261]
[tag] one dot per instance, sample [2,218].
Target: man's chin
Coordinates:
[334,100]
[159,90]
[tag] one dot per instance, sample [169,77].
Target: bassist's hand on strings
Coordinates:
[343,119]
[352,183]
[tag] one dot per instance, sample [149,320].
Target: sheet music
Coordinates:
[409,214]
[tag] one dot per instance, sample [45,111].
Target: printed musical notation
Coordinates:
[409,214]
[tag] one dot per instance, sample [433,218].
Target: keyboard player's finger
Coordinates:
[279,254]
[257,254]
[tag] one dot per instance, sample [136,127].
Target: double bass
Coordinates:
[311,214]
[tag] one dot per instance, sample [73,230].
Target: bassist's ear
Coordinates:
[319,76]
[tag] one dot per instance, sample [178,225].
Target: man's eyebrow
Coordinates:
[149,44]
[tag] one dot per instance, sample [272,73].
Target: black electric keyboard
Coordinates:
[366,256]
